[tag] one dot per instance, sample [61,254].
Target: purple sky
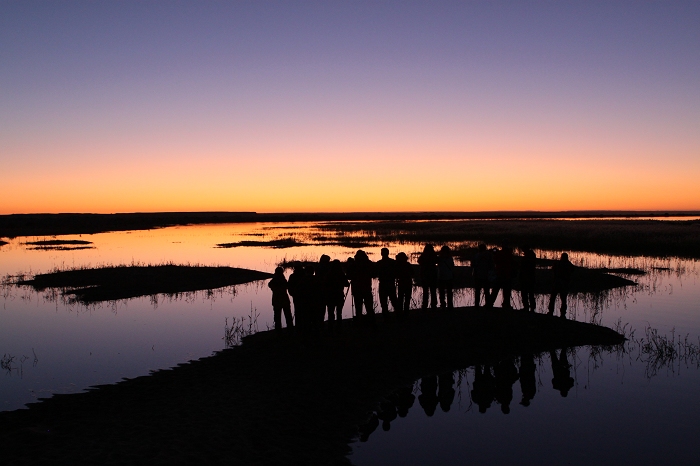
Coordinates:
[121,106]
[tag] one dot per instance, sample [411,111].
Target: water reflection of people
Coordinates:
[446,391]
[561,376]
[386,273]
[428,261]
[428,398]
[483,270]
[387,413]
[446,267]
[561,276]
[404,278]
[404,400]
[484,387]
[527,279]
[528,383]
[506,374]
[280,299]
[367,428]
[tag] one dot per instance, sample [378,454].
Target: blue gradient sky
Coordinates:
[333,106]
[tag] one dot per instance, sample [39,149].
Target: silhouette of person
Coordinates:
[446,273]
[484,389]
[362,274]
[503,261]
[446,391]
[404,276]
[428,261]
[561,276]
[484,272]
[322,270]
[527,279]
[404,400]
[428,398]
[280,299]
[308,296]
[336,283]
[387,413]
[561,376]
[528,383]
[386,272]
[506,375]
[294,288]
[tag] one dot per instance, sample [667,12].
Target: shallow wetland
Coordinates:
[404,393]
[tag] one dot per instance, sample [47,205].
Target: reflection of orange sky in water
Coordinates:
[180,245]
[196,245]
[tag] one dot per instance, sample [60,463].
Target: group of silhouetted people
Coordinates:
[319,291]
[495,271]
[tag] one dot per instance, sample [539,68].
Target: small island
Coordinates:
[124,282]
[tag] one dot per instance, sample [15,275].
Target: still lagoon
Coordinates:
[622,405]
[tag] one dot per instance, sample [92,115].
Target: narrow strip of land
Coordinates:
[123,282]
[277,399]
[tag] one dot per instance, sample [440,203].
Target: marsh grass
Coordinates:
[624,237]
[240,327]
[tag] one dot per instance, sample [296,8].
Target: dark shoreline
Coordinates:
[14,225]
[276,399]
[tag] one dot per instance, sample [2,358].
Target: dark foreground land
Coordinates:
[123,282]
[277,399]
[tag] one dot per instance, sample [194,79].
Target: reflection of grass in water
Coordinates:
[656,351]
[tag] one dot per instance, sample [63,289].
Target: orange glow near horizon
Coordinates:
[374,182]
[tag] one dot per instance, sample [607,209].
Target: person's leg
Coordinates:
[564,296]
[358,305]
[450,295]
[277,315]
[433,297]
[477,295]
[426,293]
[288,315]
[552,301]
[506,297]
[384,297]
[393,297]
[533,300]
[524,298]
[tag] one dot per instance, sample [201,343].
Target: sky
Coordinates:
[284,106]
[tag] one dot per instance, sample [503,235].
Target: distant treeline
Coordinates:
[64,224]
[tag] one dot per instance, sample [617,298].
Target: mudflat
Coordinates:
[279,398]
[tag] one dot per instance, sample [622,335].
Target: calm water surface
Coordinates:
[624,405]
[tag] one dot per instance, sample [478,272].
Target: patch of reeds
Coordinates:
[624,237]
[240,327]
